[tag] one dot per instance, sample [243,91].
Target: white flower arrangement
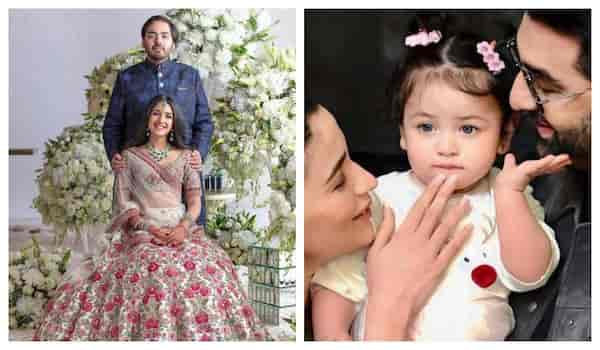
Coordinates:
[33,275]
[250,85]
[75,184]
[235,233]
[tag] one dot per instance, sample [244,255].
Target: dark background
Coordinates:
[349,58]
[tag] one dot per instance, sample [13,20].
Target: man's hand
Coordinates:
[516,177]
[196,161]
[117,163]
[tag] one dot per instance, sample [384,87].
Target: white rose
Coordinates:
[205,60]
[211,35]
[49,283]
[252,49]
[263,21]
[223,57]
[196,37]
[274,82]
[33,277]
[207,21]
[231,38]
[186,17]
[27,290]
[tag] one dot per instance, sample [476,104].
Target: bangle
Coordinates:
[188,217]
[140,226]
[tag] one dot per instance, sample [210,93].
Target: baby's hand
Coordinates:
[516,178]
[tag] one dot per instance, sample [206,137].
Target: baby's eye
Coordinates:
[468,129]
[425,127]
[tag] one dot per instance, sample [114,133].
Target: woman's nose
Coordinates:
[363,181]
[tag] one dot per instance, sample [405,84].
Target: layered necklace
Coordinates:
[158,154]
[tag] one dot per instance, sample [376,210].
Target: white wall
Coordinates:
[50,52]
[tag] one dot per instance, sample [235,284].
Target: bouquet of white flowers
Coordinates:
[33,275]
[75,183]
[235,233]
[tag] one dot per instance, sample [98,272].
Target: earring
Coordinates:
[147,132]
[171,137]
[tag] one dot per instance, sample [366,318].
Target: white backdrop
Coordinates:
[50,52]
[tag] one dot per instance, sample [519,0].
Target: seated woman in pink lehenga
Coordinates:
[160,278]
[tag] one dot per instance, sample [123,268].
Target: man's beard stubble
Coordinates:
[576,142]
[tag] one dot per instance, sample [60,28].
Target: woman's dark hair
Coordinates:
[453,60]
[172,28]
[574,23]
[309,109]
[178,130]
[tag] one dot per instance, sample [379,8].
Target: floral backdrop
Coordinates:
[250,84]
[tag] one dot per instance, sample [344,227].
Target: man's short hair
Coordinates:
[574,23]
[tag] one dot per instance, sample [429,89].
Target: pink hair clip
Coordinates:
[490,56]
[423,38]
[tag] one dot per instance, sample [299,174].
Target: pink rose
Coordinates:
[172,272]
[146,299]
[108,307]
[151,324]
[201,318]
[133,317]
[189,265]
[87,307]
[114,332]
[247,311]
[118,300]
[204,291]
[64,306]
[83,296]
[151,291]
[96,323]
[134,278]
[196,286]
[119,274]
[176,310]
[104,287]
[153,267]
[118,247]
[96,276]
[189,293]
[224,304]
[210,270]
[206,337]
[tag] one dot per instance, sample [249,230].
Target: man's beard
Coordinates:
[576,142]
[158,57]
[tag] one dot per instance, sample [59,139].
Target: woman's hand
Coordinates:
[161,235]
[177,236]
[404,269]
